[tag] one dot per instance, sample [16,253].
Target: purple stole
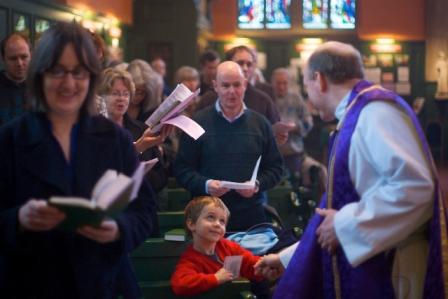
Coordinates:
[313,273]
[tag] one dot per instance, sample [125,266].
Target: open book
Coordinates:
[110,195]
[247,185]
[169,112]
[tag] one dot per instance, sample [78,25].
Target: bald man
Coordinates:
[16,55]
[380,230]
[234,139]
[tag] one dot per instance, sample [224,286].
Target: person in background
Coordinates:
[148,90]
[188,76]
[61,149]
[381,228]
[16,55]
[159,66]
[293,110]
[117,89]
[208,62]
[201,266]
[234,139]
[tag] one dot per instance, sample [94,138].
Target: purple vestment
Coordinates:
[313,273]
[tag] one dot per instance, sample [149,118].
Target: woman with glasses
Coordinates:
[117,90]
[61,149]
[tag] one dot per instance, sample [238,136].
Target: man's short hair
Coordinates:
[232,52]
[337,61]
[8,37]
[208,56]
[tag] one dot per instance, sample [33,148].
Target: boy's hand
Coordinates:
[223,276]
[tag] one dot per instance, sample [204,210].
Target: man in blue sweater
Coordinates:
[234,139]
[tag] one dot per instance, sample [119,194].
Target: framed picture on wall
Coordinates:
[21,23]
[40,26]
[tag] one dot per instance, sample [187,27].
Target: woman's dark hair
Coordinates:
[47,54]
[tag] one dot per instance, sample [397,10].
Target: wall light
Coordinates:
[385,45]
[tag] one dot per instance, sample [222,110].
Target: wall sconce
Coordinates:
[385,45]
[308,44]
[239,41]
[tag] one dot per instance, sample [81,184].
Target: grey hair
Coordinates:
[337,61]
[143,74]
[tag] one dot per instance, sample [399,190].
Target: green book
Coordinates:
[177,234]
[111,194]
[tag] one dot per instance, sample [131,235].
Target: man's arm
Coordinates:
[394,180]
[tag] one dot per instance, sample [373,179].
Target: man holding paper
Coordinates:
[235,138]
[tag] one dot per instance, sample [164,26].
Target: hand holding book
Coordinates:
[169,112]
[111,194]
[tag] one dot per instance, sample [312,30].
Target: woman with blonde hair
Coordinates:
[148,90]
[117,89]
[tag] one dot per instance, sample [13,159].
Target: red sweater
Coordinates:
[195,272]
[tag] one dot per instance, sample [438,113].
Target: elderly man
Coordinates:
[382,217]
[16,55]
[293,111]
[234,139]
[254,98]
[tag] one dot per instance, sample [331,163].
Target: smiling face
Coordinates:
[66,85]
[210,226]
[117,101]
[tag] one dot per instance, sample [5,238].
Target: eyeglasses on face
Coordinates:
[117,94]
[59,72]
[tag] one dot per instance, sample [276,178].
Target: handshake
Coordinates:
[269,266]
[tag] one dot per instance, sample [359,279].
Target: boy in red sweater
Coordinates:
[200,268]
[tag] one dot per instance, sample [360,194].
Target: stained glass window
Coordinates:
[21,23]
[342,14]
[315,14]
[40,27]
[259,14]
[277,14]
[323,14]
[251,14]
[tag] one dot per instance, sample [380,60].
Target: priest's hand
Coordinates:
[326,233]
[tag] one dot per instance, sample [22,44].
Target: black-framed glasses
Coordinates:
[59,72]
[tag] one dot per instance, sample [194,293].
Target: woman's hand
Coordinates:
[149,139]
[37,215]
[106,233]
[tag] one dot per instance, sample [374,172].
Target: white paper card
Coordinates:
[232,263]
[246,185]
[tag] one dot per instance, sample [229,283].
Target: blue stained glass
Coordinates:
[251,14]
[343,14]
[315,14]
[277,14]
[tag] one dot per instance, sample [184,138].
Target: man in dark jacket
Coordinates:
[16,55]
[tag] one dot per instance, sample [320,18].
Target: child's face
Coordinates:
[211,224]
